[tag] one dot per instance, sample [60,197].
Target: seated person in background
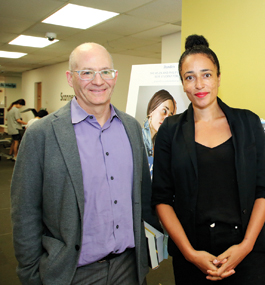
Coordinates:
[40,114]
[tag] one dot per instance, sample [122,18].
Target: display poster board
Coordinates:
[146,80]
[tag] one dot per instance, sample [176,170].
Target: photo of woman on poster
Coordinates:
[160,106]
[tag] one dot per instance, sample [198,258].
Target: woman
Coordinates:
[209,180]
[14,124]
[160,106]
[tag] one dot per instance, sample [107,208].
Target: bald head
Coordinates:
[93,95]
[88,49]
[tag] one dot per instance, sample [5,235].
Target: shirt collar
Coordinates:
[78,114]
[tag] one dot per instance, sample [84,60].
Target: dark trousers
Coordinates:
[216,239]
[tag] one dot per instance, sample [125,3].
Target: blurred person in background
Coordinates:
[40,114]
[14,125]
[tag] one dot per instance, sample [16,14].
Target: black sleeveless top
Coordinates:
[218,198]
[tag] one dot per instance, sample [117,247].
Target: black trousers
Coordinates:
[215,239]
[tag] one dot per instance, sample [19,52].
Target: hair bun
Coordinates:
[195,40]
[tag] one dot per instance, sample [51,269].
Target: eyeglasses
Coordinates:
[89,75]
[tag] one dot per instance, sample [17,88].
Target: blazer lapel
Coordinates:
[189,137]
[65,134]
[237,134]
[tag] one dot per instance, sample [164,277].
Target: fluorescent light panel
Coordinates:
[79,17]
[10,54]
[29,41]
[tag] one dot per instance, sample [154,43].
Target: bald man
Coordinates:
[81,186]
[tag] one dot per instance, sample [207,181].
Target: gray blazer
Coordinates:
[48,200]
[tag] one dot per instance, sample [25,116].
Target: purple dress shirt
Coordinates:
[107,168]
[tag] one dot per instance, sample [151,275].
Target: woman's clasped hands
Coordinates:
[214,267]
[220,271]
[225,264]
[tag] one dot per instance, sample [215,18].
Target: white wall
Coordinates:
[171,48]
[13,94]
[53,83]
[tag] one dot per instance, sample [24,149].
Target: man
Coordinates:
[80,185]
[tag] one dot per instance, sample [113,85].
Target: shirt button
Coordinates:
[77,247]
[117,226]
[90,117]
[111,177]
[244,211]
[115,202]
[107,153]
[212,225]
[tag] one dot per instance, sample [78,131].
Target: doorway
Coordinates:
[38,96]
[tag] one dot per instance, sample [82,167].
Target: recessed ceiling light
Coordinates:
[79,17]
[29,41]
[10,54]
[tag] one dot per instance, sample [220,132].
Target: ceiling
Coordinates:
[137,31]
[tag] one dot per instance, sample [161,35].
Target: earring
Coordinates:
[150,120]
